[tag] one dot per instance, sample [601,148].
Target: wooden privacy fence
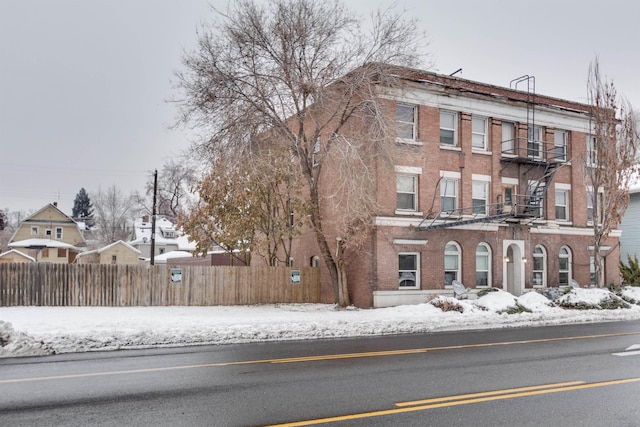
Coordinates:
[143,285]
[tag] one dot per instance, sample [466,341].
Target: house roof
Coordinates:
[13,251]
[162,258]
[41,243]
[142,234]
[119,242]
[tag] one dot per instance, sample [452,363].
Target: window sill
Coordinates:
[409,213]
[450,148]
[406,141]
[482,152]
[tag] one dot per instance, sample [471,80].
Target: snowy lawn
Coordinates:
[27,331]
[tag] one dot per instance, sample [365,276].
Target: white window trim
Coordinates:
[416,187]
[414,123]
[489,261]
[487,196]
[35,230]
[410,170]
[417,271]
[459,254]
[569,256]
[565,144]
[567,191]
[591,151]
[455,128]
[484,133]
[61,234]
[544,266]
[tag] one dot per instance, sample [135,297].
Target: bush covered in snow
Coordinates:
[447,304]
[591,299]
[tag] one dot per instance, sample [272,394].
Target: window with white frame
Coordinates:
[406,121]
[534,142]
[560,144]
[407,192]
[34,230]
[592,151]
[562,205]
[315,261]
[590,208]
[479,133]
[480,197]
[58,232]
[408,270]
[564,266]
[539,266]
[316,152]
[508,138]
[483,265]
[448,128]
[47,232]
[448,194]
[451,263]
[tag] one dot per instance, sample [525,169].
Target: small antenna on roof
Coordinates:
[459,70]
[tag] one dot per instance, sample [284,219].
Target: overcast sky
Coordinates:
[83,84]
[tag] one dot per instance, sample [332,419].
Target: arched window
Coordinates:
[451,263]
[564,266]
[483,265]
[539,266]
[315,261]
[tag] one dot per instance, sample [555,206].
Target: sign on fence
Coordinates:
[295,277]
[176,276]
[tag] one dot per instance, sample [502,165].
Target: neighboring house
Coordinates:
[487,189]
[116,253]
[167,237]
[49,236]
[630,226]
[15,256]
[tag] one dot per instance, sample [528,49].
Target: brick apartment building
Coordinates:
[487,188]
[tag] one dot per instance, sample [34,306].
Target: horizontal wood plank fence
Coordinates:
[41,284]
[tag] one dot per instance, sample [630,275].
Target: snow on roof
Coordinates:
[119,242]
[142,231]
[162,258]
[40,243]
[7,253]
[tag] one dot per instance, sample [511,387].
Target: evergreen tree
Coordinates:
[82,207]
[3,220]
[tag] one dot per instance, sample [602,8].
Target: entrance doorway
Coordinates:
[513,271]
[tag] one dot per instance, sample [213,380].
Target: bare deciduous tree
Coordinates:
[307,73]
[610,163]
[176,180]
[113,214]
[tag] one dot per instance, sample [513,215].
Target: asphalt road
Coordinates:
[587,375]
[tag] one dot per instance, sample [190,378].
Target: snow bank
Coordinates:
[28,331]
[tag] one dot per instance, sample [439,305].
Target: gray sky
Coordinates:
[83,83]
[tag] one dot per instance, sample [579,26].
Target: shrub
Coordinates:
[630,271]
[447,304]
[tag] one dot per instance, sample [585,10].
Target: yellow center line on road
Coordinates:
[459,400]
[316,358]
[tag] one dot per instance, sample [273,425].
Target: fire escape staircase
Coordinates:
[535,165]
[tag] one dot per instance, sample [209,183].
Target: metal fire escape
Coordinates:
[527,159]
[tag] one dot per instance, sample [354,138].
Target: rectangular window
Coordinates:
[448,195]
[590,209]
[592,152]
[562,205]
[406,121]
[534,142]
[316,152]
[47,232]
[482,266]
[563,271]
[114,259]
[58,232]
[560,144]
[479,133]
[62,253]
[408,270]
[448,128]
[34,230]
[480,197]
[508,138]
[406,188]
[45,253]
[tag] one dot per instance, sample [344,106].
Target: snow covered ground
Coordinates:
[29,331]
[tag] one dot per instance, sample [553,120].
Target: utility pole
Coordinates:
[153,218]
